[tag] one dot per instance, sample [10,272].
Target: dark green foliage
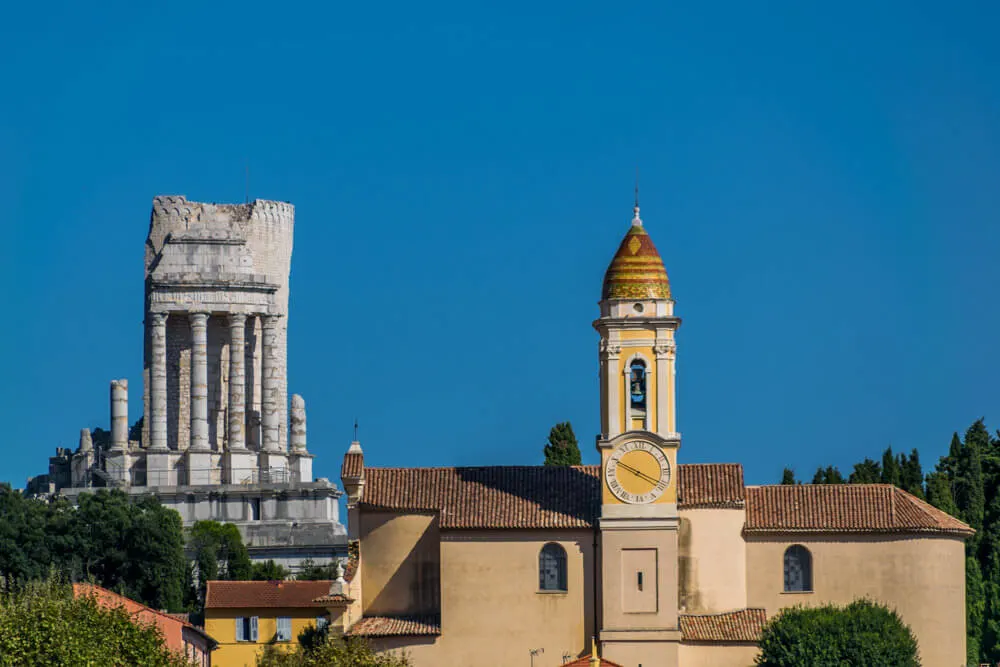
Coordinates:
[891,473]
[42,624]
[219,553]
[939,493]
[133,548]
[562,448]
[333,651]
[788,477]
[975,609]
[866,472]
[269,571]
[309,571]
[828,475]
[862,633]
[911,474]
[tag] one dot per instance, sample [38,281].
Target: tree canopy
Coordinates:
[965,483]
[562,448]
[862,633]
[133,548]
[42,623]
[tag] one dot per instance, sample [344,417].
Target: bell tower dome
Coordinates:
[637,347]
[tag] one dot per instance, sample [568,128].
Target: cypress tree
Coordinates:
[562,448]
[788,476]
[912,474]
[890,468]
[939,493]
[828,475]
[968,484]
[975,607]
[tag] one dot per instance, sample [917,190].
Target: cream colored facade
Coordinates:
[666,564]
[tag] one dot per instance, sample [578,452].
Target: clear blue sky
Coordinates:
[822,184]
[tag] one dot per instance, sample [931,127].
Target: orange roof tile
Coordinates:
[528,496]
[844,508]
[391,626]
[717,485]
[744,625]
[245,594]
[354,463]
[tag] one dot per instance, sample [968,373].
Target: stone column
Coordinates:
[237,381]
[158,381]
[298,437]
[119,414]
[270,408]
[199,380]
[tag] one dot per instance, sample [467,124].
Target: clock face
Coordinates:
[637,472]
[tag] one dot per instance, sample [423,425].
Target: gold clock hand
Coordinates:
[639,473]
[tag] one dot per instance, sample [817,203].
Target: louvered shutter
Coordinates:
[253,628]
[239,630]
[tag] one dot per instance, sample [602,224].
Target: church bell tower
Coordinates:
[638,446]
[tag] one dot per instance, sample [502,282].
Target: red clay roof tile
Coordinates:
[244,594]
[844,508]
[744,625]
[391,626]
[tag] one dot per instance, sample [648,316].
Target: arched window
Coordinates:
[798,569]
[637,384]
[552,568]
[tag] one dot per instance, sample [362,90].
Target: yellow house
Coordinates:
[246,616]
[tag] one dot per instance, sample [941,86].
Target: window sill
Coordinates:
[543,592]
[797,592]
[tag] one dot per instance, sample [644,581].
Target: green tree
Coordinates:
[332,652]
[911,474]
[891,474]
[24,553]
[866,472]
[562,448]
[939,493]
[968,485]
[310,571]
[157,573]
[788,477]
[975,610]
[828,475]
[269,571]
[862,633]
[43,624]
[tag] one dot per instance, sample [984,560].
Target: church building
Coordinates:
[664,563]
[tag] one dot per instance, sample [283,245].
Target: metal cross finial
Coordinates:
[355,429]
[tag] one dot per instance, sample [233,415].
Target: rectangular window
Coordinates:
[322,622]
[255,509]
[284,629]
[246,629]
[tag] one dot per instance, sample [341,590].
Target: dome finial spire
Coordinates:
[636,220]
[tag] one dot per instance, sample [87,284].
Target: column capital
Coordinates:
[610,350]
[237,319]
[198,316]
[270,320]
[665,350]
[158,319]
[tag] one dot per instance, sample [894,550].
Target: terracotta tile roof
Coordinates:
[389,626]
[353,464]
[230,594]
[337,598]
[490,497]
[744,625]
[844,508]
[529,496]
[717,485]
[585,662]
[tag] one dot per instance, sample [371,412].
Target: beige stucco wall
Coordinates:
[401,560]
[922,577]
[718,655]
[491,610]
[712,560]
